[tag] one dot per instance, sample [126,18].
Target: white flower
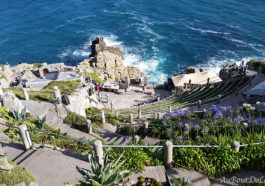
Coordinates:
[246,105]
[258,103]
[253,108]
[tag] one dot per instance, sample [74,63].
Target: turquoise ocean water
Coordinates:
[159,37]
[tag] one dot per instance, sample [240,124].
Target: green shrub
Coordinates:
[76,121]
[95,77]
[136,158]
[2,67]
[4,113]
[3,77]
[64,86]
[37,65]
[17,175]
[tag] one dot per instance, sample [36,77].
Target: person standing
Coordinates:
[144,88]
[98,88]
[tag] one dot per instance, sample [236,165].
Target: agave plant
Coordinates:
[41,122]
[105,174]
[20,116]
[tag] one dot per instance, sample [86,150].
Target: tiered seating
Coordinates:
[207,94]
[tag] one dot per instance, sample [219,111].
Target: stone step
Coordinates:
[26,156]
[113,139]
[36,108]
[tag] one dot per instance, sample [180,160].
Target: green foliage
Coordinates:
[106,174]
[147,181]
[2,67]
[44,138]
[37,65]
[4,113]
[94,76]
[181,181]
[76,121]
[136,158]
[17,175]
[64,86]
[20,116]
[3,77]
[41,122]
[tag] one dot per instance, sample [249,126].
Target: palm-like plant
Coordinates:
[41,122]
[107,174]
[20,116]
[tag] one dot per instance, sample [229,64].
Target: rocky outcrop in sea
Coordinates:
[107,62]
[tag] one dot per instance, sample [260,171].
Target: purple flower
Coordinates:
[196,127]
[218,114]
[197,137]
[179,137]
[222,108]
[238,119]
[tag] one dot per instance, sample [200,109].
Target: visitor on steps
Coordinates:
[98,88]
[144,88]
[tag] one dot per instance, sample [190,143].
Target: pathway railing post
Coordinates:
[170,108]
[168,153]
[99,150]
[146,124]
[236,146]
[25,92]
[158,115]
[136,138]
[25,136]
[103,117]
[139,113]
[131,118]
[89,126]
[57,94]
[199,103]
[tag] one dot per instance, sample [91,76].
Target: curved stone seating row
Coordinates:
[207,94]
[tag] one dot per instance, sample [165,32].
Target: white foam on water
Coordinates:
[202,31]
[215,64]
[132,57]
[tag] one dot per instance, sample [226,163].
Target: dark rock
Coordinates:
[228,71]
[191,69]
[258,66]
[98,45]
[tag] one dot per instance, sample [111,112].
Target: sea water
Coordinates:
[160,37]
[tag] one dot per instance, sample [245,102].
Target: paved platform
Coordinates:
[50,167]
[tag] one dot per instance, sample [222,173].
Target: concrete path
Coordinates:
[50,167]
[134,96]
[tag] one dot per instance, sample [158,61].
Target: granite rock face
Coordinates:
[228,71]
[10,101]
[258,66]
[81,100]
[107,62]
